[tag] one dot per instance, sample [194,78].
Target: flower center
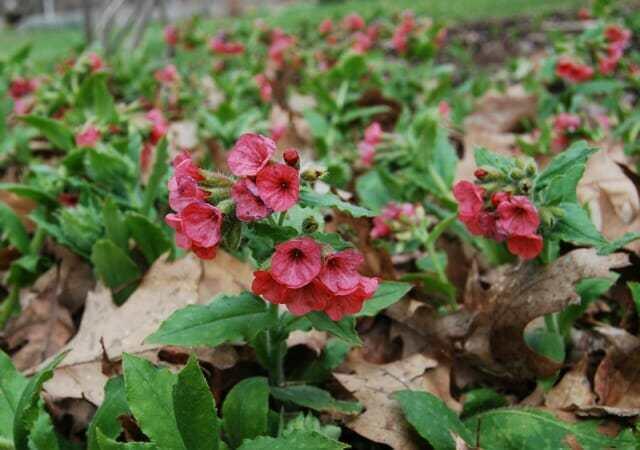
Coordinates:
[296,254]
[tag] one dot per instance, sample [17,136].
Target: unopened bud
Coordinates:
[310,225]
[516,174]
[547,217]
[226,206]
[216,180]
[480,174]
[292,158]
[218,194]
[525,185]
[313,173]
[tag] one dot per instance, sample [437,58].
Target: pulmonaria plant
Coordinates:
[499,207]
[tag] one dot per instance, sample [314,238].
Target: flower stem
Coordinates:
[9,305]
[275,349]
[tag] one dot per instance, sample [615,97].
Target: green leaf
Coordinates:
[484,157]
[589,290]
[105,421]
[43,436]
[482,399]
[33,193]
[27,409]
[309,422]
[575,226]
[432,419]
[160,169]
[12,384]
[195,409]
[298,440]
[115,225]
[150,397]
[56,132]
[372,191]
[612,246]
[116,269]
[314,398]
[546,343]
[12,228]
[150,238]
[245,410]
[106,166]
[344,329]
[388,293]
[329,200]
[634,287]
[94,95]
[228,318]
[575,156]
[531,429]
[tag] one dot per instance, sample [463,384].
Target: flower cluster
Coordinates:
[395,218]
[197,223]
[20,90]
[221,46]
[401,34]
[500,216]
[572,71]
[264,186]
[367,147]
[617,39]
[304,280]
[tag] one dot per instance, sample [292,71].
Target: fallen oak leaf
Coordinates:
[373,385]
[488,331]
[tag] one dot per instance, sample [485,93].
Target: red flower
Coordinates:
[566,122]
[326,26]
[95,62]
[250,155]
[167,75]
[380,228]
[391,212]
[373,134]
[517,216]
[340,272]
[264,284]
[183,166]
[408,21]
[221,46]
[618,35]
[280,43]
[88,137]
[362,42]
[470,199]
[186,192]
[171,35]
[525,246]
[353,22]
[584,14]
[400,40]
[296,262]
[279,186]
[572,71]
[499,197]
[249,205]
[21,87]
[201,223]
[310,297]
[159,125]
[607,64]
[342,305]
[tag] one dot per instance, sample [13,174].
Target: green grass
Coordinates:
[50,44]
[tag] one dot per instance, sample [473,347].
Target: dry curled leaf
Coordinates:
[488,331]
[373,385]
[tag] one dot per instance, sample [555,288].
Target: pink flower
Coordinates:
[297,262]
[470,199]
[266,90]
[353,22]
[279,186]
[186,192]
[88,137]
[572,71]
[95,62]
[176,222]
[444,109]
[564,122]
[326,26]
[183,166]
[159,125]
[201,222]
[367,153]
[250,154]
[525,246]
[607,64]
[249,205]
[342,305]
[171,35]
[340,272]
[408,23]
[167,75]
[400,40]
[362,42]
[517,216]
[373,134]
[616,34]
[390,213]
[280,43]
[310,297]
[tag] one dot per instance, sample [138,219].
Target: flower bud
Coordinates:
[313,173]
[218,194]
[547,217]
[310,225]
[226,206]
[292,158]
[480,173]
[525,186]
[216,180]
[516,174]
